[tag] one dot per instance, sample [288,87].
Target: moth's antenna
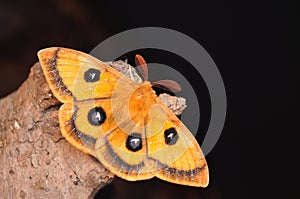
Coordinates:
[169,84]
[163,84]
[142,66]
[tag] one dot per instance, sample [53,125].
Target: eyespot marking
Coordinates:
[171,136]
[92,75]
[96,116]
[134,142]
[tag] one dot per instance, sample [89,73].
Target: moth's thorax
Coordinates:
[141,100]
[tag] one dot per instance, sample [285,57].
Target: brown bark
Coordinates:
[35,161]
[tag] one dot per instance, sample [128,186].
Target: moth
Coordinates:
[121,122]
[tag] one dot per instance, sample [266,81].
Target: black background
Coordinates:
[251,43]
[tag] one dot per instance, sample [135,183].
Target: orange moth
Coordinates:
[121,122]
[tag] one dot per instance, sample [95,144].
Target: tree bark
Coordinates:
[35,160]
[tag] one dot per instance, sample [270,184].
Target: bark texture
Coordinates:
[35,160]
